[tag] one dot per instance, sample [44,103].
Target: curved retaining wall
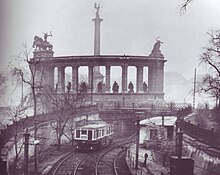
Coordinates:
[6,135]
[10,131]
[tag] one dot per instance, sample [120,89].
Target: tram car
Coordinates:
[93,136]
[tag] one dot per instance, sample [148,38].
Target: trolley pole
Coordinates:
[137,142]
[26,145]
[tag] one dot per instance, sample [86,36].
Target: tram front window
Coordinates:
[77,133]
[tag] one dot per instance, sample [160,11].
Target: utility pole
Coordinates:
[194,90]
[26,145]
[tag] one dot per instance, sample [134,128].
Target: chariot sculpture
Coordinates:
[40,44]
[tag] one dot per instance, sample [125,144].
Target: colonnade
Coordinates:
[155,78]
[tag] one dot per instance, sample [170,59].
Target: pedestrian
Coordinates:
[145,158]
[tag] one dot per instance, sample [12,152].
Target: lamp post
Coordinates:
[26,147]
[137,141]
[35,147]
[179,151]
[138,114]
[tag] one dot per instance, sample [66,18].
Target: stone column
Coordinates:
[159,77]
[40,77]
[151,79]
[107,75]
[75,79]
[51,78]
[61,79]
[156,77]
[90,79]
[48,77]
[139,79]
[124,78]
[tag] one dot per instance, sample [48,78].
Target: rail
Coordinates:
[151,107]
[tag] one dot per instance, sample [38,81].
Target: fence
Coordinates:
[151,107]
[207,136]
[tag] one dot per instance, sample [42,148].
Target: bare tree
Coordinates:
[185,4]
[32,77]
[16,113]
[30,72]
[65,105]
[210,83]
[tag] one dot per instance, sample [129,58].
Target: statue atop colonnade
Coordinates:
[156,52]
[40,44]
[42,47]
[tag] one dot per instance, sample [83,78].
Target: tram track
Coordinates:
[81,163]
[67,164]
[107,163]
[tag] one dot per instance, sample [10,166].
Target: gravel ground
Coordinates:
[48,157]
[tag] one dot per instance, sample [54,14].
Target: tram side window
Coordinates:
[99,133]
[103,132]
[94,134]
[77,133]
[107,131]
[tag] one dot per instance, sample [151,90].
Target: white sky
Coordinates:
[129,27]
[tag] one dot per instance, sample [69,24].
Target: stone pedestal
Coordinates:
[43,53]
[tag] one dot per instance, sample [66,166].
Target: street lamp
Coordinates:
[26,152]
[138,114]
[137,141]
[35,143]
[26,147]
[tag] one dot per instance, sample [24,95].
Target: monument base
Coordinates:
[43,53]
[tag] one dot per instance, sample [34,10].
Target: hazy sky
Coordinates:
[129,27]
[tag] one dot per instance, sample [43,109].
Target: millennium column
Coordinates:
[98,77]
[97,22]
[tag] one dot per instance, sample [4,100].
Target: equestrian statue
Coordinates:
[40,44]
